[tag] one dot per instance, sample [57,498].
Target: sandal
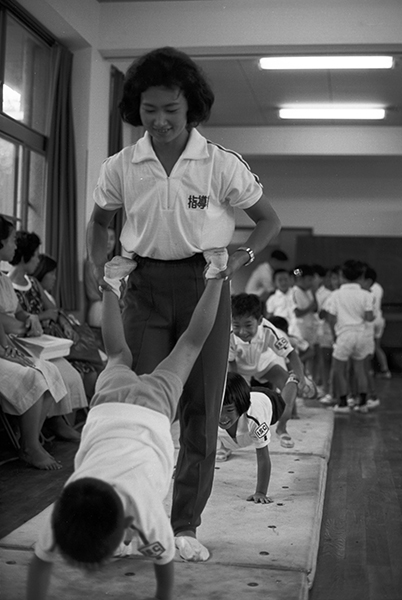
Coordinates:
[285,440]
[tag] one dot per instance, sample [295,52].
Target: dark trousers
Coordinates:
[158,303]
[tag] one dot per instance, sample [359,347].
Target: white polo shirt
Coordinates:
[249,356]
[283,305]
[191,210]
[131,448]
[348,304]
[253,427]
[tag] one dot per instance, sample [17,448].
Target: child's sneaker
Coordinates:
[217,260]
[222,454]
[385,375]
[373,403]
[327,400]
[341,409]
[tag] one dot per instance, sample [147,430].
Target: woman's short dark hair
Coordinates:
[6,228]
[27,244]
[237,392]
[85,520]
[46,265]
[166,67]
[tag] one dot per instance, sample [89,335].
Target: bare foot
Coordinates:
[40,459]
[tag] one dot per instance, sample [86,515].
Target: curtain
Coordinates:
[116,137]
[61,195]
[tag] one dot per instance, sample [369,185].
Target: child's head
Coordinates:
[352,271]
[280,323]
[304,276]
[278,259]
[369,277]
[45,272]
[247,312]
[320,274]
[172,69]
[236,401]
[334,277]
[7,239]
[27,251]
[88,522]
[282,280]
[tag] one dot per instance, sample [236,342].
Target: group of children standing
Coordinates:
[334,318]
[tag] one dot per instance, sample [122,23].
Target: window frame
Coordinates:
[27,139]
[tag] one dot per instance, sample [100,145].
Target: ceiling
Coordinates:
[247,96]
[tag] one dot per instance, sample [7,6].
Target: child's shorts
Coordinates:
[159,391]
[266,361]
[353,344]
[325,338]
[308,330]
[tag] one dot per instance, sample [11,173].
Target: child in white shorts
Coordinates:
[349,308]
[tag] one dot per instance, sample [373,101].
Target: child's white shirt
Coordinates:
[349,304]
[282,305]
[253,427]
[131,448]
[247,354]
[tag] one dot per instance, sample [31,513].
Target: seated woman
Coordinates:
[85,342]
[21,322]
[30,388]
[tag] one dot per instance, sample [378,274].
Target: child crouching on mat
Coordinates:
[245,420]
[124,464]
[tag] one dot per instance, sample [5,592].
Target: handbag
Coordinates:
[85,346]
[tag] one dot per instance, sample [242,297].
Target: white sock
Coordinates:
[117,269]
[217,259]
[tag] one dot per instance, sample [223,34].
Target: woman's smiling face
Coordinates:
[163,113]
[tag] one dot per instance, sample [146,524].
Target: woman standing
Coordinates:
[178,192]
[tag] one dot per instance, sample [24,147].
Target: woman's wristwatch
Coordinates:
[250,253]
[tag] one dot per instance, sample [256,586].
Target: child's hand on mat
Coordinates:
[259,498]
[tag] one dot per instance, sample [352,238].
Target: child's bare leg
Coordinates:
[62,429]
[279,378]
[361,376]
[381,356]
[326,369]
[340,378]
[369,376]
[31,424]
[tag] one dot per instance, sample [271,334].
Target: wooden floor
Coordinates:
[360,555]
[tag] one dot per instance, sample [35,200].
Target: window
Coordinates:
[26,57]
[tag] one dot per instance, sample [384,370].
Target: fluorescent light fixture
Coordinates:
[327,62]
[333,112]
